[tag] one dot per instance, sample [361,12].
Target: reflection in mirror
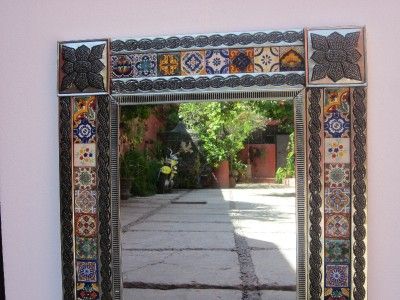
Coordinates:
[208,203]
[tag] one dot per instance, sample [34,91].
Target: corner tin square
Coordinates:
[335,56]
[83,67]
[86,270]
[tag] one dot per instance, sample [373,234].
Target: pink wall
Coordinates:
[28,114]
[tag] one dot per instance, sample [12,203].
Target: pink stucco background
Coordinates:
[28,113]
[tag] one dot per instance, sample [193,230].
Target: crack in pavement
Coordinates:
[152,212]
[247,271]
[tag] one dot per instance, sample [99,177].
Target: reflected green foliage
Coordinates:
[289,169]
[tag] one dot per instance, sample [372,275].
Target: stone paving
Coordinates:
[240,245]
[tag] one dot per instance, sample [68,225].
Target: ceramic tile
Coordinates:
[337,125]
[266,59]
[337,251]
[144,65]
[85,201]
[84,178]
[337,226]
[85,225]
[84,131]
[337,150]
[169,64]
[337,294]
[337,100]
[337,200]
[84,108]
[217,61]
[291,59]
[121,66]
[84,155]
[86,270]
[336,275]
[337,175]
[241,60]
[193,63]
[86,248]
[87,291]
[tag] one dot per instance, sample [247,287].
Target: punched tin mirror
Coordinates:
[322,69]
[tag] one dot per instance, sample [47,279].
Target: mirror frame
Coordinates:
[333,61]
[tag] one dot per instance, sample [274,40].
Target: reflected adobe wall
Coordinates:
[28,117]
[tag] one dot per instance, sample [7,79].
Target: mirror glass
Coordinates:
[208,200]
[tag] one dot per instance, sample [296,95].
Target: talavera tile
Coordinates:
[337,226]
[337,175]
[337,251]
[85,225]
[291,58]
[121,66]
[87,291]
[144,65]
[337,150]
[84,155]
[86,248]
[84,178]
[169,64]
[337,200]
[86,270]
[336,275]
[193,62]
[217,61]
[266,59]
[241,60]
[337,293]
[85,201]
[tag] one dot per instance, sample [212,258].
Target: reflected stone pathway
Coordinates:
[240,245]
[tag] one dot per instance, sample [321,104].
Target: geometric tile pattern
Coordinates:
[217,61]
[291,59]
[337,192]
[336,56]
[121,66]
[337,275]
[86,201]
[87,291]
[144,65]
[84,178]
[193,63]
[86,270]
[169,64]
[86,248]
[85,186]
[241,60]
[86,225]
[266,59]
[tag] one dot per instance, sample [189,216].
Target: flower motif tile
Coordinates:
[291,59]
[84,155]
[84,178]
[87,291]
[85,225]
[86,248]
[336,56]
[84,108]
[336,275]
[84,131]
[266,59]
[121,66]
[86,201]
[337,100]
[337,200]
[337,251]
[193,63]
[169,64]
[337,294]
[217,61]
[337,150]
[337,226]
[337,175]
[144,65]
[86,270]
[83,67]
[337,125]
[241,60]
